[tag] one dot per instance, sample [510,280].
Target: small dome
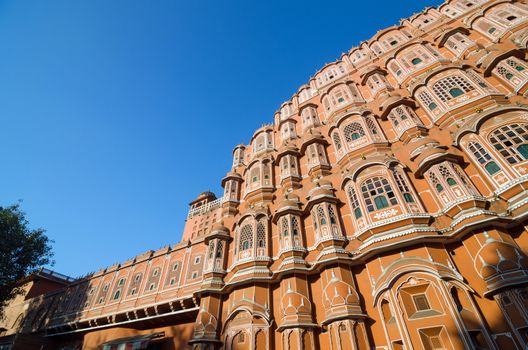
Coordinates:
[219,227]
[312,135]
[291,202]
[293,304]
[233,174]
[497,257]
[338,293]
[324,188]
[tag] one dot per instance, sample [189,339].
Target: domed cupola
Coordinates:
[340,299]
[323,189]
[296,309]
[295,304]
[501,264]
[218,231]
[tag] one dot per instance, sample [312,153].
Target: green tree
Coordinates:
[22,251]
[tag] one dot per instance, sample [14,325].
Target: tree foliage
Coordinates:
[22,251]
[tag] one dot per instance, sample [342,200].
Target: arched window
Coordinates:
[285,228]
[295,226]
[246,238]
[321,215]
[371,125]
[513,70]
[403,187]
[337,140]
[427,101]
[452,86]
[377,193]
[354,202]
[511,141]
[417,60]
[261,234]
[331,214]
[309,117]
[458,43]
[353,131]
[211,249]
[436,183]
[483,157]
[219,249]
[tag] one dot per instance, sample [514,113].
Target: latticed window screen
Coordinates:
[371,124]
[219,249]
[321,216]
[378,193]
[314,220]
[246,238]
[355,92]
[266,170]
[427,100]
[337,140]
[261,234]
[211,249]
[483,157]
[354,202]
[450,87]
[478,79]
[503,72]
[295,226]
[435,182]
[403,187]
[331,214]
[353,132]
[284,227]
[515,64]
[511,141]
[447,175]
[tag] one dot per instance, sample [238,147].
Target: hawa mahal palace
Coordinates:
[385,207]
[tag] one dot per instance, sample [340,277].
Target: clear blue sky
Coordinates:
[115,114]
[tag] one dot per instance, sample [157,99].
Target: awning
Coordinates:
[131,343]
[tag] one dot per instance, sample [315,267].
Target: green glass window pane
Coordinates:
[523,150]
[492,168]
[455,92]
[358,213]
[381,202]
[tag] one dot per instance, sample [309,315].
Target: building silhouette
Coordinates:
[384,208]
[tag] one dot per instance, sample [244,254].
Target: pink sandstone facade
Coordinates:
[384,208]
